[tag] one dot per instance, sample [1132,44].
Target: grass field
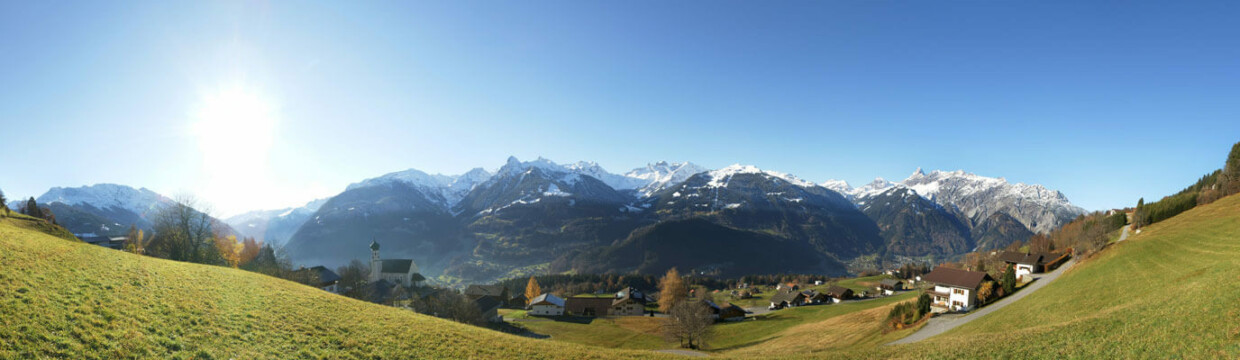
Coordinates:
[1172,291]
[779,325]
[66,299]
[626,332]
[857,285]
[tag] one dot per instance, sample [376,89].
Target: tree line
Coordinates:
[1207,189]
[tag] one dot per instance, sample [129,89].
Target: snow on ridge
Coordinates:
[720,178]
[105,196]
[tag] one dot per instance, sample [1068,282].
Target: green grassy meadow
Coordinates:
[1172,291]
[62,298]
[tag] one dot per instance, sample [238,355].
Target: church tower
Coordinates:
[376,265]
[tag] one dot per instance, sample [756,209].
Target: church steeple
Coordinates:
[376,265]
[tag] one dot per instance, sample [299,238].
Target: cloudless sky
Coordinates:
[256,105]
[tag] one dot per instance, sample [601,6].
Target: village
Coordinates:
[629,312]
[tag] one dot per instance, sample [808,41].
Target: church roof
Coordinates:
[374,245]
[398,266]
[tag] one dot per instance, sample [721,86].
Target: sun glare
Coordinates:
[235,129]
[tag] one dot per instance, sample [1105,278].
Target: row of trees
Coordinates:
[908,313]
[1207,189]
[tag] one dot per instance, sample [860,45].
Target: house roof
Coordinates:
[1027,258]
[838,292]
[889,282]
[956,277]
[629,294]
[789,296]
[485,290]
[547,299]
[397,266]
[486,303]
[326,276]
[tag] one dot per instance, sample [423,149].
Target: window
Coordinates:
[958,291]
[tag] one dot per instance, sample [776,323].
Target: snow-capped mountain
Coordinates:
[447,189]
[1038,208]
[105,196]
[273,226]
[661,175]
[978,197]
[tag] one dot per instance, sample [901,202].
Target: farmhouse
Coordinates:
[815,297]
[489,307]
[629,302]
[403,272]
[890,286]
[1027,264]
[954,289]
[787,298]
[546,305]
[588,306]
[839,293]
[729,312]
[325,278]
[497,292]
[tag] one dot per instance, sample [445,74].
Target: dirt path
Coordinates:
[1124,236]
[940,324]
[684,352]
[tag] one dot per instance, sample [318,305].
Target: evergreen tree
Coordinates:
[1009,280]
[923,304]
[4,204]
[32,209]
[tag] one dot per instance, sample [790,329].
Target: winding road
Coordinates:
[940,324]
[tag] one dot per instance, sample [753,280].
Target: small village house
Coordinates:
[629,302]
[497,292]
[890,286]
[839,293]
[489,307]
[787,298]
[1027,264]
[588,306]
[546,305]
[954,289]
[324,278]
[815,297]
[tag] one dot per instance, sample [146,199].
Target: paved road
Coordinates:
[940,324]
[1124,235]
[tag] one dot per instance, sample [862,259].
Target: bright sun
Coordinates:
[235,128]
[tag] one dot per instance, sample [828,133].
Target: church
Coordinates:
[397,271]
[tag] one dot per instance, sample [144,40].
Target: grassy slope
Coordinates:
[60,298]
[774,329]
[1172,291]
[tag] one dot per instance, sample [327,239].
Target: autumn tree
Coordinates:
[135,240]
[532,290]
[689,323]
[672,290]
[249,250]
[985,292]
[229,250]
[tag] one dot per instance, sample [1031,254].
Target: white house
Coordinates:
[546,305]
[954,289]
[396,271]
[1027,264]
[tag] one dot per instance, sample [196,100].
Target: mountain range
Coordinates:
[539,216]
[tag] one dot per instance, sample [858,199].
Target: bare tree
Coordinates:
[355,280]
[690,324]
[184,231]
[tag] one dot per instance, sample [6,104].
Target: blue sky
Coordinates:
[1105,101]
